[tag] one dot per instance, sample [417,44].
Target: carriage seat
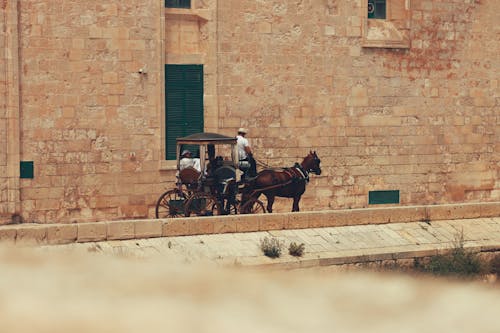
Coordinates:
[189,176]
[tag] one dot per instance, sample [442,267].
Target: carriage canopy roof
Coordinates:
[206,138]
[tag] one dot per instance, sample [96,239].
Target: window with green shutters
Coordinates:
[383,197]
[377,9]
[26,169]
[184,104]
[178,3]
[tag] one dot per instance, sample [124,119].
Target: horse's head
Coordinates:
[311,163]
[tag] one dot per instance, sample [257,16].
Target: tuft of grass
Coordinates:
[296,250]
[271,247]
[459,262]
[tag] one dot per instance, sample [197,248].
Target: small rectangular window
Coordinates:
[26,169]
[383,197]
[178,3]
[377,9]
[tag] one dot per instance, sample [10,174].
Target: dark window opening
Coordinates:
[376,9]
[383,197]
[26,169]
[178,3]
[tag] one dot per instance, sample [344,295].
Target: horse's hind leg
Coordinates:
[270,202]
[295,207]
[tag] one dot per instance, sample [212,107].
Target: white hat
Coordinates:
[242,130]
[185,152]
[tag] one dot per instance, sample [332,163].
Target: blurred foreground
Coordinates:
[87,292]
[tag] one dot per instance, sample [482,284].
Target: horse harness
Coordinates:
[297,173]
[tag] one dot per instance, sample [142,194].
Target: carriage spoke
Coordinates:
[252,206]
[202,204]
[171,204]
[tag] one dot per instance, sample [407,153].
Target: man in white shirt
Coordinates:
[187,160]
[245,153]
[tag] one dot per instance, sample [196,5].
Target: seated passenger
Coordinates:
[187,160]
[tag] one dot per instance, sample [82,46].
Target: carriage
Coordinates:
[215,190]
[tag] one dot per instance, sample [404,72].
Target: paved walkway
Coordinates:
[323,246]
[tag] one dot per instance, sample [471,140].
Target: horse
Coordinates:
[285,182]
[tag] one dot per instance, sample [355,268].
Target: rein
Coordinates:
[272,187]
[262,164]
[303,173]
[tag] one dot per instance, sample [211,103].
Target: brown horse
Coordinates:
[287,182]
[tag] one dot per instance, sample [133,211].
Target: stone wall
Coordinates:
[9,111]
[422,119]
[3,110]
[90,121]
[410,103]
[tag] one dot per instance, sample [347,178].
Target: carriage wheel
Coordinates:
[252,206]
[171,204]
[229,207]
[232,210]
[202,204]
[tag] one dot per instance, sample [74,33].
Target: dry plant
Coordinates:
[459,262]
[271,247]
[296,250]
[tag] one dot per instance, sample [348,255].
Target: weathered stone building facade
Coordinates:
[409,103]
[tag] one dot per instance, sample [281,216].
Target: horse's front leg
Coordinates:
[270,202]
[295,207]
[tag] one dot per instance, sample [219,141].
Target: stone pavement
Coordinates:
[323,246]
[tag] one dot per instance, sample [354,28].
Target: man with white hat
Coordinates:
[245,154]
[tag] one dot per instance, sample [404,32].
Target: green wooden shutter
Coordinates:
[184,103]
[383,197]
[26,169]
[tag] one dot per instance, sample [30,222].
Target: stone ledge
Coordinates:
[120,230]
[348,257]
[39,234]
[91,232]
[148,229]
[490,209]
[31,234]
[62,233]
[8,235]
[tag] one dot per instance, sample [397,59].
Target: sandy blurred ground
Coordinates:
[85,292]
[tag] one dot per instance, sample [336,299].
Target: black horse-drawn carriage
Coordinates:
[216,188]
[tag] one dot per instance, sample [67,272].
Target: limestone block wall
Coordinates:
[410,103]
[191,37]
[9,111]
[90,121]
[423,120]
[3,115]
